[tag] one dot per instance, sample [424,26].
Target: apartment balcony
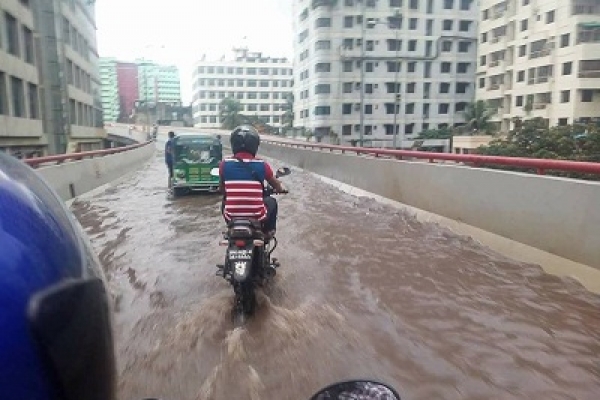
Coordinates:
[539,106]
[589,74]
[494,86]
[585,8]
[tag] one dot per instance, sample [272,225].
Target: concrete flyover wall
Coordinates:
[556,215]
[74,178]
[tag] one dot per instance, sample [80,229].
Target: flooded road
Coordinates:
[364,291]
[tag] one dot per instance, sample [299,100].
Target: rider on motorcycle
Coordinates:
[55,328]
[242,181]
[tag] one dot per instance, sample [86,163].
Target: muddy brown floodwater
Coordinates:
[364,290]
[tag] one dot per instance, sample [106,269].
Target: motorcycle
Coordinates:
[355,390]
[248,261]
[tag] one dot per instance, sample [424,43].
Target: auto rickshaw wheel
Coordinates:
[178,192]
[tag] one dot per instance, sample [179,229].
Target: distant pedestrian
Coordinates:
[169,156]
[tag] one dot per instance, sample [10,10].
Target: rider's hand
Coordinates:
[283,190]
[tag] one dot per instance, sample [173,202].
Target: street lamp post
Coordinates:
[396,96]
[362,74]
[374,22]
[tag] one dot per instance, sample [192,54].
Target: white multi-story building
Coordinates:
[419,66]
[540,58]
[262,85]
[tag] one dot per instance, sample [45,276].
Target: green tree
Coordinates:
[478,117]
[230,113]
[534,139]
[442,133]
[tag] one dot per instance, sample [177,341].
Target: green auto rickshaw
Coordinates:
[194,155]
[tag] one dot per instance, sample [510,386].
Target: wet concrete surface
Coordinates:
[364,290]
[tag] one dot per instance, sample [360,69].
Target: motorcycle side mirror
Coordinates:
[283,171]
[214,172]
[361,389]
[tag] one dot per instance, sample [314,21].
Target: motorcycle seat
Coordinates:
[245,228]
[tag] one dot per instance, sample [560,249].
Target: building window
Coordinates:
[564,40]
[213,119]
[482,60]
[463,47]
[519,101]
[368,109]
[323,23]
[3,95]
[565,96]
[465,5]
[349,21]
[265,107]
[563,121]
[524,25]
[369,67]
[323,45]
[264,83]
[264,96]
[481,82]
[410,108]
[464,26]
[18,97]
[412,45]
[446,45]
[412,66]
[410,87]
[347,108]
[323,89]
[347,87]
[462,68]
[567,68]
[12,33]
[412,23]
[443,108]
[587,96]
[446,67]
[461,87]
[28,39]
[484,37]
[347,66]
[251,71]
[521,76]
[522,50]
[414,4]
[395,3]
[34,104]
[444,87]
[550,17]
[346,130]
[322,110]
[448,4]
[323,67]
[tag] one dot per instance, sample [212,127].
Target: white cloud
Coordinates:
[180,31]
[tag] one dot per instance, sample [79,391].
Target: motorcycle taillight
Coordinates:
[240,243]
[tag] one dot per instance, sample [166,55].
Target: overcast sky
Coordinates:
[180,31]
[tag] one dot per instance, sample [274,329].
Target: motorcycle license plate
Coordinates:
[240,254]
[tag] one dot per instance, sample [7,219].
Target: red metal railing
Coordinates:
[539,165]
[60,158]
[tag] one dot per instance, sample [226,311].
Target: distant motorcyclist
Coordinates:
[242,177]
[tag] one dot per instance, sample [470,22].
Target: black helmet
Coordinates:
[245,138]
